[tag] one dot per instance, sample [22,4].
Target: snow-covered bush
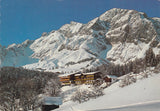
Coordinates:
[127,80]
[157,69]
[85,93]
[144,75]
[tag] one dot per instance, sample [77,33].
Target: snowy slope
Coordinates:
[145,91]
[117,36]
[146,106]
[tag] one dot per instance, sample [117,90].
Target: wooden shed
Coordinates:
[51,103]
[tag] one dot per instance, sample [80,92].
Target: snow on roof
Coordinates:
[90,73]
[64,75]
[111,76]
[52,101]
[78,73]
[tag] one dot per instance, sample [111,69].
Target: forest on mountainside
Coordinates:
[136,66]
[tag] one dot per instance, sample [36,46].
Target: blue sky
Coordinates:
[28,19]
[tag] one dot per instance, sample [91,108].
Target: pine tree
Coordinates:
[150,58]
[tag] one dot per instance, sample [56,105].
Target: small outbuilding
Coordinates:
[51,103]
[110,78]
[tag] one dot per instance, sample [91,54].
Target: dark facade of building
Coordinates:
[49,107]
[51,103]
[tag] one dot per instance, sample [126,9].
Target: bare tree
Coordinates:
[52,87]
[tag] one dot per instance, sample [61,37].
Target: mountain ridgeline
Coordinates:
[118,36]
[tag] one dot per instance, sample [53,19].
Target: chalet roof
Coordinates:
[89,73]
[78,73]
[65,75]
[52,101]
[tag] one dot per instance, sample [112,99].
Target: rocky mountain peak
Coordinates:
[116,13]
[128,26]
[70,29]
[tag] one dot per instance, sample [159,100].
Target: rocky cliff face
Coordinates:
[131,33]
[117,36]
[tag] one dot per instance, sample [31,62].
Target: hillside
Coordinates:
[117,36]
[140,96]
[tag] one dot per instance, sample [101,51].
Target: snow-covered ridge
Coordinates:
[17,55]
[118,35]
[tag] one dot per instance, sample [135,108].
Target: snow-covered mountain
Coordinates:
[17,55]
[117,36]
